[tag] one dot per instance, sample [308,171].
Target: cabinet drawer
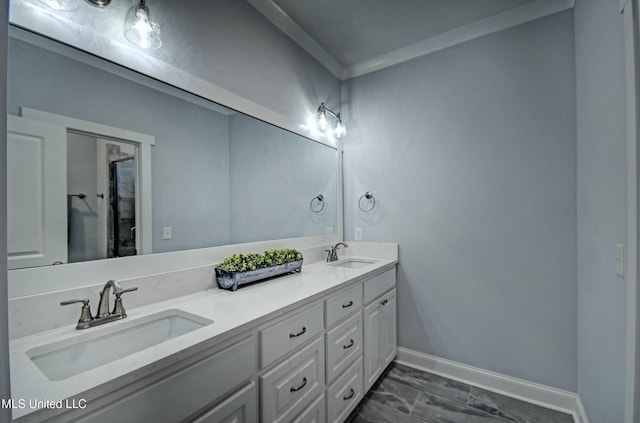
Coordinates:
[377,286]
[187,391]
[314,413]
[343,304]
[241,407]
[345,394]
[344,346]
[290,387]
[280,338]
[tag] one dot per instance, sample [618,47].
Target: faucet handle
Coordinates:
[328,254]
[85,313]
[85,302]
[118,308]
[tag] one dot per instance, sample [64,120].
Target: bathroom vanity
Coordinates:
[305,347]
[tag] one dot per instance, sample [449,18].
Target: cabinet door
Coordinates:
[175,398]
[289,388]
[315,413]
[241,407]
[372,359]
[345,394]
[344,346]
[279,339]
[388,329]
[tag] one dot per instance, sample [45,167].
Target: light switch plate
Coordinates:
[357,234]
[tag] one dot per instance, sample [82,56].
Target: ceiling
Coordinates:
[354,37]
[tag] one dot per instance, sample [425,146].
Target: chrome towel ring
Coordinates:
[318,199]
[369,196]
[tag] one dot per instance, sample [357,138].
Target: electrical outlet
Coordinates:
[357,234]
[328,230]
[166,232]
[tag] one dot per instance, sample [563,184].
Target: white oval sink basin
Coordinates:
[63,359]
[353,263]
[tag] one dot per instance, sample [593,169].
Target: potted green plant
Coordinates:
[240,269]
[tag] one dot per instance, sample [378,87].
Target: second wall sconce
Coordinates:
[339,131]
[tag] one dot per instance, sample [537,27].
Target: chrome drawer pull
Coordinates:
[347,305]
[348,346]
[304,383]
[302,332]
[351,394]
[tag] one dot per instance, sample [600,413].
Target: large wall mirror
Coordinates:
[105,162]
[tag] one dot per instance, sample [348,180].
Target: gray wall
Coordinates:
[470,153]
[231,44]
[190,161]
[601,111]
[274,176]
[5,414]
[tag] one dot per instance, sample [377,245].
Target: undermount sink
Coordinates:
[64,359]
[353,263]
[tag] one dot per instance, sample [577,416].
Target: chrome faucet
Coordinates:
[332,254]
[103,305]
[103,316]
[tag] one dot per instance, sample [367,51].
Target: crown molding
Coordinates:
[280,19]
[469,32]
[496,23]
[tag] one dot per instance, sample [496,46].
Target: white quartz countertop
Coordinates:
[231,313]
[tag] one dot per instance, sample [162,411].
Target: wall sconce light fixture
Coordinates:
[339,131]
[140,29]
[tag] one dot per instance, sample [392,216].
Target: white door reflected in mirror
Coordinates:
[72,196]
[36,193]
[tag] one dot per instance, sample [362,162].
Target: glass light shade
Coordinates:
[60,5]
[139,29]
[340,130]
[322,119]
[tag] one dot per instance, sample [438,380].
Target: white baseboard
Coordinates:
[582,413]
[535,393]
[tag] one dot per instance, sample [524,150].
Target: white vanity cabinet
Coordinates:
[344,353]
[379,322]
[288,389]
[241,407]
[187,392]
[292,362]
[314,361]
[310,364]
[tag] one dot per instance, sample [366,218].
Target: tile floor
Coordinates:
[405,395]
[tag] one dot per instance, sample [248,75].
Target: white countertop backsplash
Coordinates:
[39,319]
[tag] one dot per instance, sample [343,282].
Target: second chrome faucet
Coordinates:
[103,315]
[332,254]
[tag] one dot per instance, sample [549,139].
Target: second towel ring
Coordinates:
[320,199]
[369,196]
